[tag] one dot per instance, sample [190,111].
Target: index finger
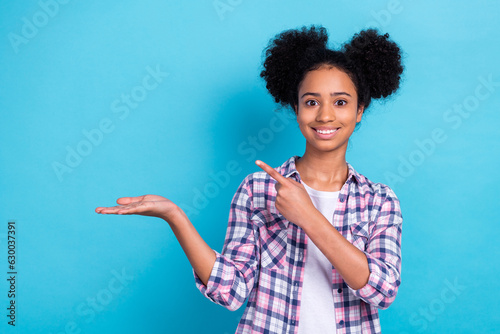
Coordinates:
[271,171]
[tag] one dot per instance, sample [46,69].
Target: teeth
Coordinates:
[327,131]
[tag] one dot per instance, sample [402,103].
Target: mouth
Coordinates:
[325,133]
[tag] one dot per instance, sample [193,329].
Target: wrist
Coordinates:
[176,217]
[313,219]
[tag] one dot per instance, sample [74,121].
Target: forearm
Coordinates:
[349,261]
[199,254]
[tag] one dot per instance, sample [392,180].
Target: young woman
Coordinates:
[313,245]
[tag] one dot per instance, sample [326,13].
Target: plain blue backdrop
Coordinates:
[101,100]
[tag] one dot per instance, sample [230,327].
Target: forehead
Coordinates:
[327,80]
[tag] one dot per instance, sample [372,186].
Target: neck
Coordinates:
[323,170]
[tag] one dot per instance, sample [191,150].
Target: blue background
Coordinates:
[67,75]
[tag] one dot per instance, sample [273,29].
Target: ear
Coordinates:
[361,109]
[295,109]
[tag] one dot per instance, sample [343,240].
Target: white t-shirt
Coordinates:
[317,310]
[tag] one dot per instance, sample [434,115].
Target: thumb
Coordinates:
[128,200]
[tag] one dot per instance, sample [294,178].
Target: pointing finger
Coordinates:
[272,172]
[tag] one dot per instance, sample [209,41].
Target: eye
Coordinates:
[308,103]
[340,102]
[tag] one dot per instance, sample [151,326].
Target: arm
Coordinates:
[199,254]
[350,262]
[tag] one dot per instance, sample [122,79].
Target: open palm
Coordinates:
[146,205]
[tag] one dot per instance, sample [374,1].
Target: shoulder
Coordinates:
[377,191]
[377,200]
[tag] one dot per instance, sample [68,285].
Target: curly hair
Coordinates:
[372,61]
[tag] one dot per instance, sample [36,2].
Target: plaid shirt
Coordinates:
[264,255]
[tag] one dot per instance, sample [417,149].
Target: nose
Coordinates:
[325,113]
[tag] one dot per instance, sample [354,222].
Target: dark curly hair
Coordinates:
[371,60]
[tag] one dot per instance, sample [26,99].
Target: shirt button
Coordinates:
[341,322]
[391,292]
[342,199]
[339,290]
[301,255]
[293,322]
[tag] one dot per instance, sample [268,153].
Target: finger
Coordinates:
[107,210]
[272,172]
[117,210]
[133,208]
[128,200]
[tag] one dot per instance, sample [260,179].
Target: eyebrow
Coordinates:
[331,94]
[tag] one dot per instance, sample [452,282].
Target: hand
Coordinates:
[292,199]
[146,205]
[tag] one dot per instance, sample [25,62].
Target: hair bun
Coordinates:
[378,60]
[286,54]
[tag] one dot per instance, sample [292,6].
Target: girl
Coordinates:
[313,245]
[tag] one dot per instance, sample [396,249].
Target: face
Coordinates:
[327,110]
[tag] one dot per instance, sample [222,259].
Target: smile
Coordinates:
[326,131]
[326,134]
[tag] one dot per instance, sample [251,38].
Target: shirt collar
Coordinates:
[288,169]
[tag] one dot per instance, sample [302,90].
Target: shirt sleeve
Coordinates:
[233,274]
[383,253]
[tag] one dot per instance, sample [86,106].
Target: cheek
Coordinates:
[302,121]
[347,117]
[303,128]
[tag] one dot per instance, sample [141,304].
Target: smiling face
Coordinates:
[327,110]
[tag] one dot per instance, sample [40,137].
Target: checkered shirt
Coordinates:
[264,254]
